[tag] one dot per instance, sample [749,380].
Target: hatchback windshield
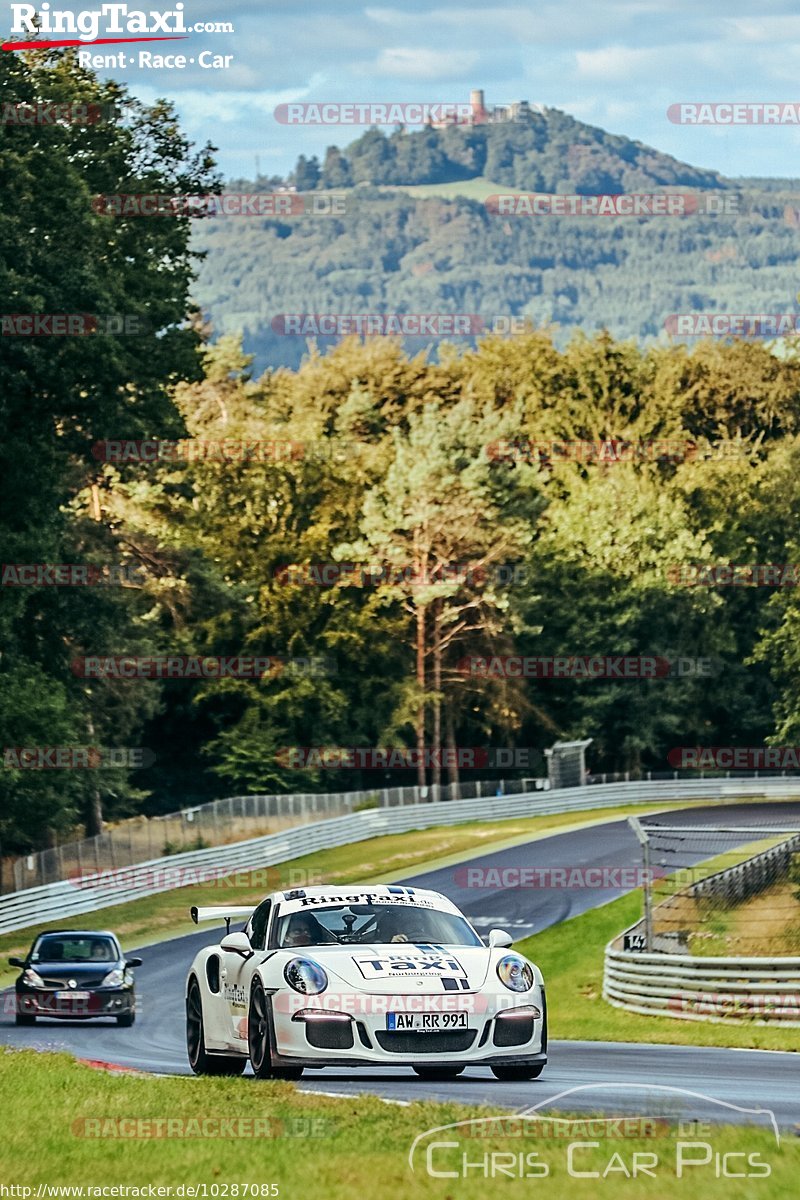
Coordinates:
[88,949]
[371,924]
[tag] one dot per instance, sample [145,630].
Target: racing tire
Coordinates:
[25,1019]
[431,1071]
[201,1062]
[259,1038]
[126,1019]
[516,1074]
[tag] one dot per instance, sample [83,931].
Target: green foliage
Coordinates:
[540,151]
[60,253]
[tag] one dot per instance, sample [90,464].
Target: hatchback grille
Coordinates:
[80,986]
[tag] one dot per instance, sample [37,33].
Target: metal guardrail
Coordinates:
[233,819]
[761,990]
[55,901]
[765,991]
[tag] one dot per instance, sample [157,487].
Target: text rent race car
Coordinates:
[362,976]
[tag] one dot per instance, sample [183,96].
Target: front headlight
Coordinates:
[305,976]
[114,978]
[516,974]
[32,978]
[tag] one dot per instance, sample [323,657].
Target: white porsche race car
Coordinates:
[362,977]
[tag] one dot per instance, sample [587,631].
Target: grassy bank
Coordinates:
[65,1124]
[571,957]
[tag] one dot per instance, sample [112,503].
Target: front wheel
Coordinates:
[201,1062]
[258,1039]
[515,1074]
[25,1019]
[125,1020]
[433,1072]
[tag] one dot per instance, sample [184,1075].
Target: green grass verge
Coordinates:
[64,1124]
[571,958]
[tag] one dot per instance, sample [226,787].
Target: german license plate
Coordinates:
[426,1022]
[73,995]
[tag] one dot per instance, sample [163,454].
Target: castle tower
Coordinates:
[476,103]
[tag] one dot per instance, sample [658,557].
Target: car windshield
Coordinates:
[68,948]
[373,924]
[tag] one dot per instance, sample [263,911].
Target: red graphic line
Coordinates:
[76,42]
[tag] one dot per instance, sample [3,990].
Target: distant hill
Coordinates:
[433,247]
[547,151]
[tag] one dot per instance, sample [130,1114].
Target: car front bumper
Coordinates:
[61,1004]
[498,1031]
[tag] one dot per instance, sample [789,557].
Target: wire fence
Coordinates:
[236,818]
[221,822]
[724,890]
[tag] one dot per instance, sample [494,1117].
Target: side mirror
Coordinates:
[133,962]
[236,943]
[499,937]
[16,962]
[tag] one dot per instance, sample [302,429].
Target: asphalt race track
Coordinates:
[616,1078]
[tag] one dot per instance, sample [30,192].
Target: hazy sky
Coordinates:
[613,63]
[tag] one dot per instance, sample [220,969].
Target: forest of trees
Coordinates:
[394,460]
[391,253]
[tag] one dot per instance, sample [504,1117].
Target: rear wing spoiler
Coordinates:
[226,913]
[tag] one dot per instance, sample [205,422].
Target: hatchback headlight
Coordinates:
[32,978]
[114,978]
[305,976]
[515,973]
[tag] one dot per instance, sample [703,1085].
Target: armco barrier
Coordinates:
[765,991]
[54,901]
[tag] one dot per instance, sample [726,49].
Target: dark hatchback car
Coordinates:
[75,975]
